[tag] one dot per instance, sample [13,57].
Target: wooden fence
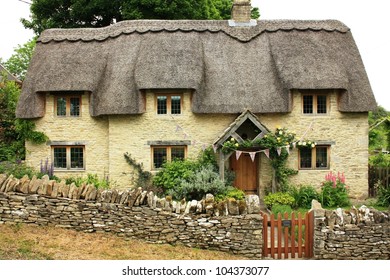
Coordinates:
[376,174]
[288,237]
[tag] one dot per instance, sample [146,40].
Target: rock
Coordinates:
[340,216]
[24,186]
[199,207]
[133,197]
[72,189]
[82,191]
[54,192]
[88,190]
[252,203]
[11,184]
[92,194]
[242,207]
[143,197]
[3,178]
[193,206]
[232,206]
[24,181]
[65,189]
[114,195]
[150,198]
[124,197]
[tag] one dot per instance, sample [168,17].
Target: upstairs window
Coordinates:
[68,157]
[315,104]
[68,106]
[316,158]
[162,154]
[169,104]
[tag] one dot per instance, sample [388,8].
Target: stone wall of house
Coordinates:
[108,138]
[358,234]
[230,226]
[348,133]
[84,130]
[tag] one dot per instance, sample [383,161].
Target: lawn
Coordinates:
[30,242]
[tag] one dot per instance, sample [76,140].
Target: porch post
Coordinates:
[221,165]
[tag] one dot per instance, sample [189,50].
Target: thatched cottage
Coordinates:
[161,90]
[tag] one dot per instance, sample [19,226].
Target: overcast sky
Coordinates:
[367,19]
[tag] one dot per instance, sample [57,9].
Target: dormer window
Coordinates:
[68,106]
[315,104]
[169,104]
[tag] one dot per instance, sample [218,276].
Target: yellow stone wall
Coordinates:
[92,131]
[108,138]
[349,154]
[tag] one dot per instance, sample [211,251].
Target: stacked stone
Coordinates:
[130,198]
[240,234]
[351,234]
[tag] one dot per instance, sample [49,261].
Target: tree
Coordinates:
[18,63]
[99,13]
[379,136]
[14,132]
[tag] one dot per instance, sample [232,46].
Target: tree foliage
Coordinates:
[99,13]
[18,63]
[14,132]
[379,136]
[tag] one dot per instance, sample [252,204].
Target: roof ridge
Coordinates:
[244,34]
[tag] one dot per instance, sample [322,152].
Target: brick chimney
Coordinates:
[241,11]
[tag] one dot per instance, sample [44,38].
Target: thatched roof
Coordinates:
[230,69]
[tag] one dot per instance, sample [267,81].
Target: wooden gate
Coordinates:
[288,237]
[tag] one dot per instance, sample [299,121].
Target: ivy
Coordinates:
[143,178]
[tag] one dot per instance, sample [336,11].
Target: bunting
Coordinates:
[238,152]
[253,155]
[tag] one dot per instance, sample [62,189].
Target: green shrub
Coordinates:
[303,196]
[279,208]
[334,191]
[198,184]
[278,198]
[173,173]
[18,169]
[383,194]
[92,179]
[231,192]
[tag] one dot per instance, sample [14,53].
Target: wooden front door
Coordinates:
[246,173]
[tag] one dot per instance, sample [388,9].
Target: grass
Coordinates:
[30,242]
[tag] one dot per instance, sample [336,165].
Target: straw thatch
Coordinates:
[229,68]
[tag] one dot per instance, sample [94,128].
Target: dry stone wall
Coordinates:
[351,235]
[231,226]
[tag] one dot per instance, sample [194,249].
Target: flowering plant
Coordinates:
[306,144]
[334,191]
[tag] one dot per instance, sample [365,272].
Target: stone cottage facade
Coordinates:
[161,90]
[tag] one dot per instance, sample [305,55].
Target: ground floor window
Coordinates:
[68,157]
[316,158]
[162,154]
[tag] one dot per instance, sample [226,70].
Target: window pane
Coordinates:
[61,106]
[159,157]
[305,156]
[308,104]
[175,105]
[321,157]
[76,157]
[161,104]
[321,104]
[177,153]
[75,106]
[60,157]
